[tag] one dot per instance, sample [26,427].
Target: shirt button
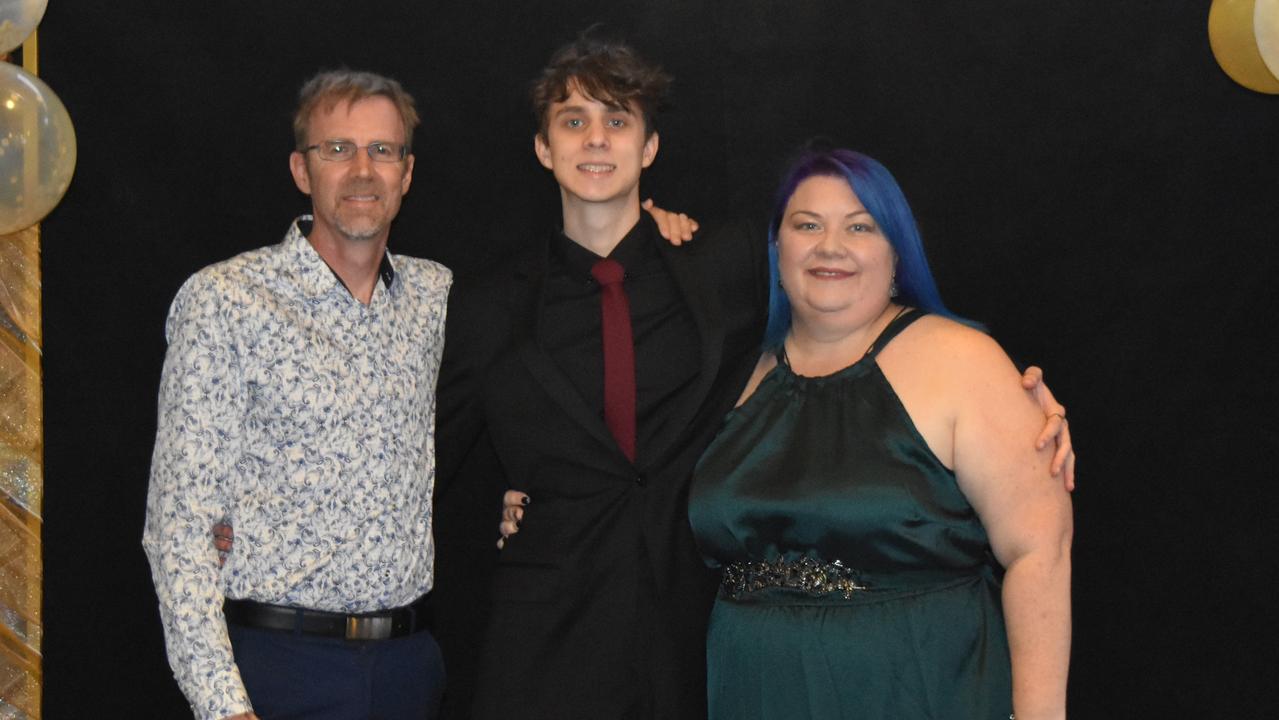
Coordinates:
[640,481]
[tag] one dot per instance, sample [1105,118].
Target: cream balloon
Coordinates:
[37,149]
[1265,23]
[17,19]
[1234,44]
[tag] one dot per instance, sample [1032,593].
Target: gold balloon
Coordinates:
[1266,25]
[17,19]
[1234,44]
[37,149]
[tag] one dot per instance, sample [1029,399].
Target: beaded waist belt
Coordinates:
[806,574]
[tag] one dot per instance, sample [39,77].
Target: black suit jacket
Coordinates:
[600,603]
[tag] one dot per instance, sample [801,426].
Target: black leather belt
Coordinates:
[380,625]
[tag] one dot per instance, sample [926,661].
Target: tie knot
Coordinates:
[607,271]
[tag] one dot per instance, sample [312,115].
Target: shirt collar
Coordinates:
[635,248]
[315,275]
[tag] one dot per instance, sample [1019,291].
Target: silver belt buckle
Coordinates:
[368,628]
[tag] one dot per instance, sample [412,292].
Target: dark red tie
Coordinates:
[619,354]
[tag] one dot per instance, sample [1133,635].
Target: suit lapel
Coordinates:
[691,272]
[526,304]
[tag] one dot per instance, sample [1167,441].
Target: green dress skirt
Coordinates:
[858,580]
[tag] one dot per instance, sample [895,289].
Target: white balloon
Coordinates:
[1265,23]
[37,149]
[17,19]
[1233,39]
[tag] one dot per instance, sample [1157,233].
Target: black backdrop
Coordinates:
[1088,181]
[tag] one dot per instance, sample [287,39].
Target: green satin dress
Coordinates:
[859,582]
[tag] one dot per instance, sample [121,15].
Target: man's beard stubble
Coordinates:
[373,227]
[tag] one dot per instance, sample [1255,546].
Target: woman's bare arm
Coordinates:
[1028,520]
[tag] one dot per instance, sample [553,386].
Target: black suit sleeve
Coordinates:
[469,483]
[474,332]
[742,250]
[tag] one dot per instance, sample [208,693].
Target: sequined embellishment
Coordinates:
[811,576]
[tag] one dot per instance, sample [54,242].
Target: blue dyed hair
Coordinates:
[883,199]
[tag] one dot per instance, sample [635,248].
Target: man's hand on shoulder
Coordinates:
[1055,425]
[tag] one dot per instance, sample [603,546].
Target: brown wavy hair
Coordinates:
[607,71]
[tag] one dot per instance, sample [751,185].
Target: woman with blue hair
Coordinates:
[889,543]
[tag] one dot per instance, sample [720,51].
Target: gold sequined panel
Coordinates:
[21,448]
[21,451]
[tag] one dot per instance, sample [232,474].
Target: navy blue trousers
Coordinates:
[290,676]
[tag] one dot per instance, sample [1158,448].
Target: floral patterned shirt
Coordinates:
[306,420]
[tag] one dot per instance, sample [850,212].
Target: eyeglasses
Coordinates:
[343,150]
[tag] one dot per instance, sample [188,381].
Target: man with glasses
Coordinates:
[298,404]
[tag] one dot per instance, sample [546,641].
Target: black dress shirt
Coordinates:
[665,335]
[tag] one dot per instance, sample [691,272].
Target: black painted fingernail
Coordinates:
[524,500]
